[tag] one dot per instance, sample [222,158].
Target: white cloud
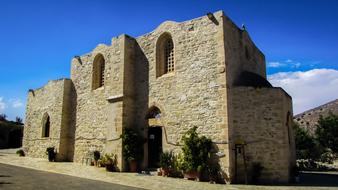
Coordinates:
[296,65]
[2,104]
[276,64]
[17,103]
[308,88]
[287,63]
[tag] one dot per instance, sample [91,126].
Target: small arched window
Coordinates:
[45,125]
[98,71]
[165,58]
[288,122]
[153,112]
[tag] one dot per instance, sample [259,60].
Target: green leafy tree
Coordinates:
[306,145]
[327,132]
[18,120]
[3,117]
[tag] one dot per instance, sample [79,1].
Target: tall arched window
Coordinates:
[45,125]
[288,121]
[165,58]
[98,71]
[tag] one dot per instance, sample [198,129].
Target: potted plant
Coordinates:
[195,154]
[110,162]
[97,156]
[51,152]
[132,147]
[20,152]
[166,163]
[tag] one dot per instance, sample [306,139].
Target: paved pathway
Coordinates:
[12,177]
[99,175]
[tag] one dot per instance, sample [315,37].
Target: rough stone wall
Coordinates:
[195,93]
[48,99]
[67,133]
[210,53]
[241,54]
[99,113]
[260,119]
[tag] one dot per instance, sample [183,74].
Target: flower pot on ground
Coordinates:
[20,152]
[132,165]
[51,152]
[110,162]
[192,175]
[166,163]
[195,155]
[132,145]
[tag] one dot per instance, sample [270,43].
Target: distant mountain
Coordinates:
[308,119]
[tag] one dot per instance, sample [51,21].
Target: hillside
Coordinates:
[308,119]
[10,134]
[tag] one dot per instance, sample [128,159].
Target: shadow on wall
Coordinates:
[137,87]
[72,130]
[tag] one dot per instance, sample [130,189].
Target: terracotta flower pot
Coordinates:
[192,175]
[133,166]
[110,167]
[165,172]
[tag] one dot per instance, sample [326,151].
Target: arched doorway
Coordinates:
[154,137]
[154,146]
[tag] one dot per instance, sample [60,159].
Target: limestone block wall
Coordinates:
[241,53]
[262,119]
[50,100]
[99,113]
[195,93]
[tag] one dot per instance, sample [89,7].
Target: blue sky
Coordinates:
[39,38]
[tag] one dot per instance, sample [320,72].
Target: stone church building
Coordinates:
[204,72]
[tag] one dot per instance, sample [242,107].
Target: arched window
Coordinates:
[98,71]
[45,125]
[165,59]
[288,121]
[153,112]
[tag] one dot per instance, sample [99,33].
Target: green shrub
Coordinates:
[328,156]
[20,153]
[110,162]
[195,151]
[132,144]
[167,160]
[311,165]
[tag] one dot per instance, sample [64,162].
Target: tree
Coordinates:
[306,146]
[3,117]
[327,132]
[18,119]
